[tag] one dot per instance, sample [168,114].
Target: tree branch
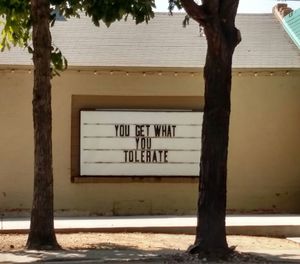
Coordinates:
[212,6]
[195,11]
[228,10]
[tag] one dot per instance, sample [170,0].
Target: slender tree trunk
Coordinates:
[42,235]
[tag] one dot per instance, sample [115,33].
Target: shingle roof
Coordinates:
[165,43]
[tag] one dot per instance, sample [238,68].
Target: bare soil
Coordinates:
[162,243]
[144,241]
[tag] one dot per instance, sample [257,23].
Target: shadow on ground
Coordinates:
[96,253]
[115,253]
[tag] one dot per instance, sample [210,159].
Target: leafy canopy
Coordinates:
[16,23]
[173,4]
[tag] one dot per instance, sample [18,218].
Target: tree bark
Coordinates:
[42,235]
[211,233]
[217,17]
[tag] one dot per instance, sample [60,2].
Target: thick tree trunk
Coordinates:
[42,235]
[211,233]
[218,19]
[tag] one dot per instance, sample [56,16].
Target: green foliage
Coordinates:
[16,21]
[16,31]
[173,4]
[177,3]
[58,61]
[107,11]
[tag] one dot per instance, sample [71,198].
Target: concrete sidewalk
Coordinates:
[255,225]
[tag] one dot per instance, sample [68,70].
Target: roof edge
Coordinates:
[289,21]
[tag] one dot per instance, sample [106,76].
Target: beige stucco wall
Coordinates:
[264,152]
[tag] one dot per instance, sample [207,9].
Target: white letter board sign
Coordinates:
[140,143]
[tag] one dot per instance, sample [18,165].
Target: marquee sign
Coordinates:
[140,143]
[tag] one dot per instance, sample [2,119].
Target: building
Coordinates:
[156,66]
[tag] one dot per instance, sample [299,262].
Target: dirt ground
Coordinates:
[169,247]
[144,241]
